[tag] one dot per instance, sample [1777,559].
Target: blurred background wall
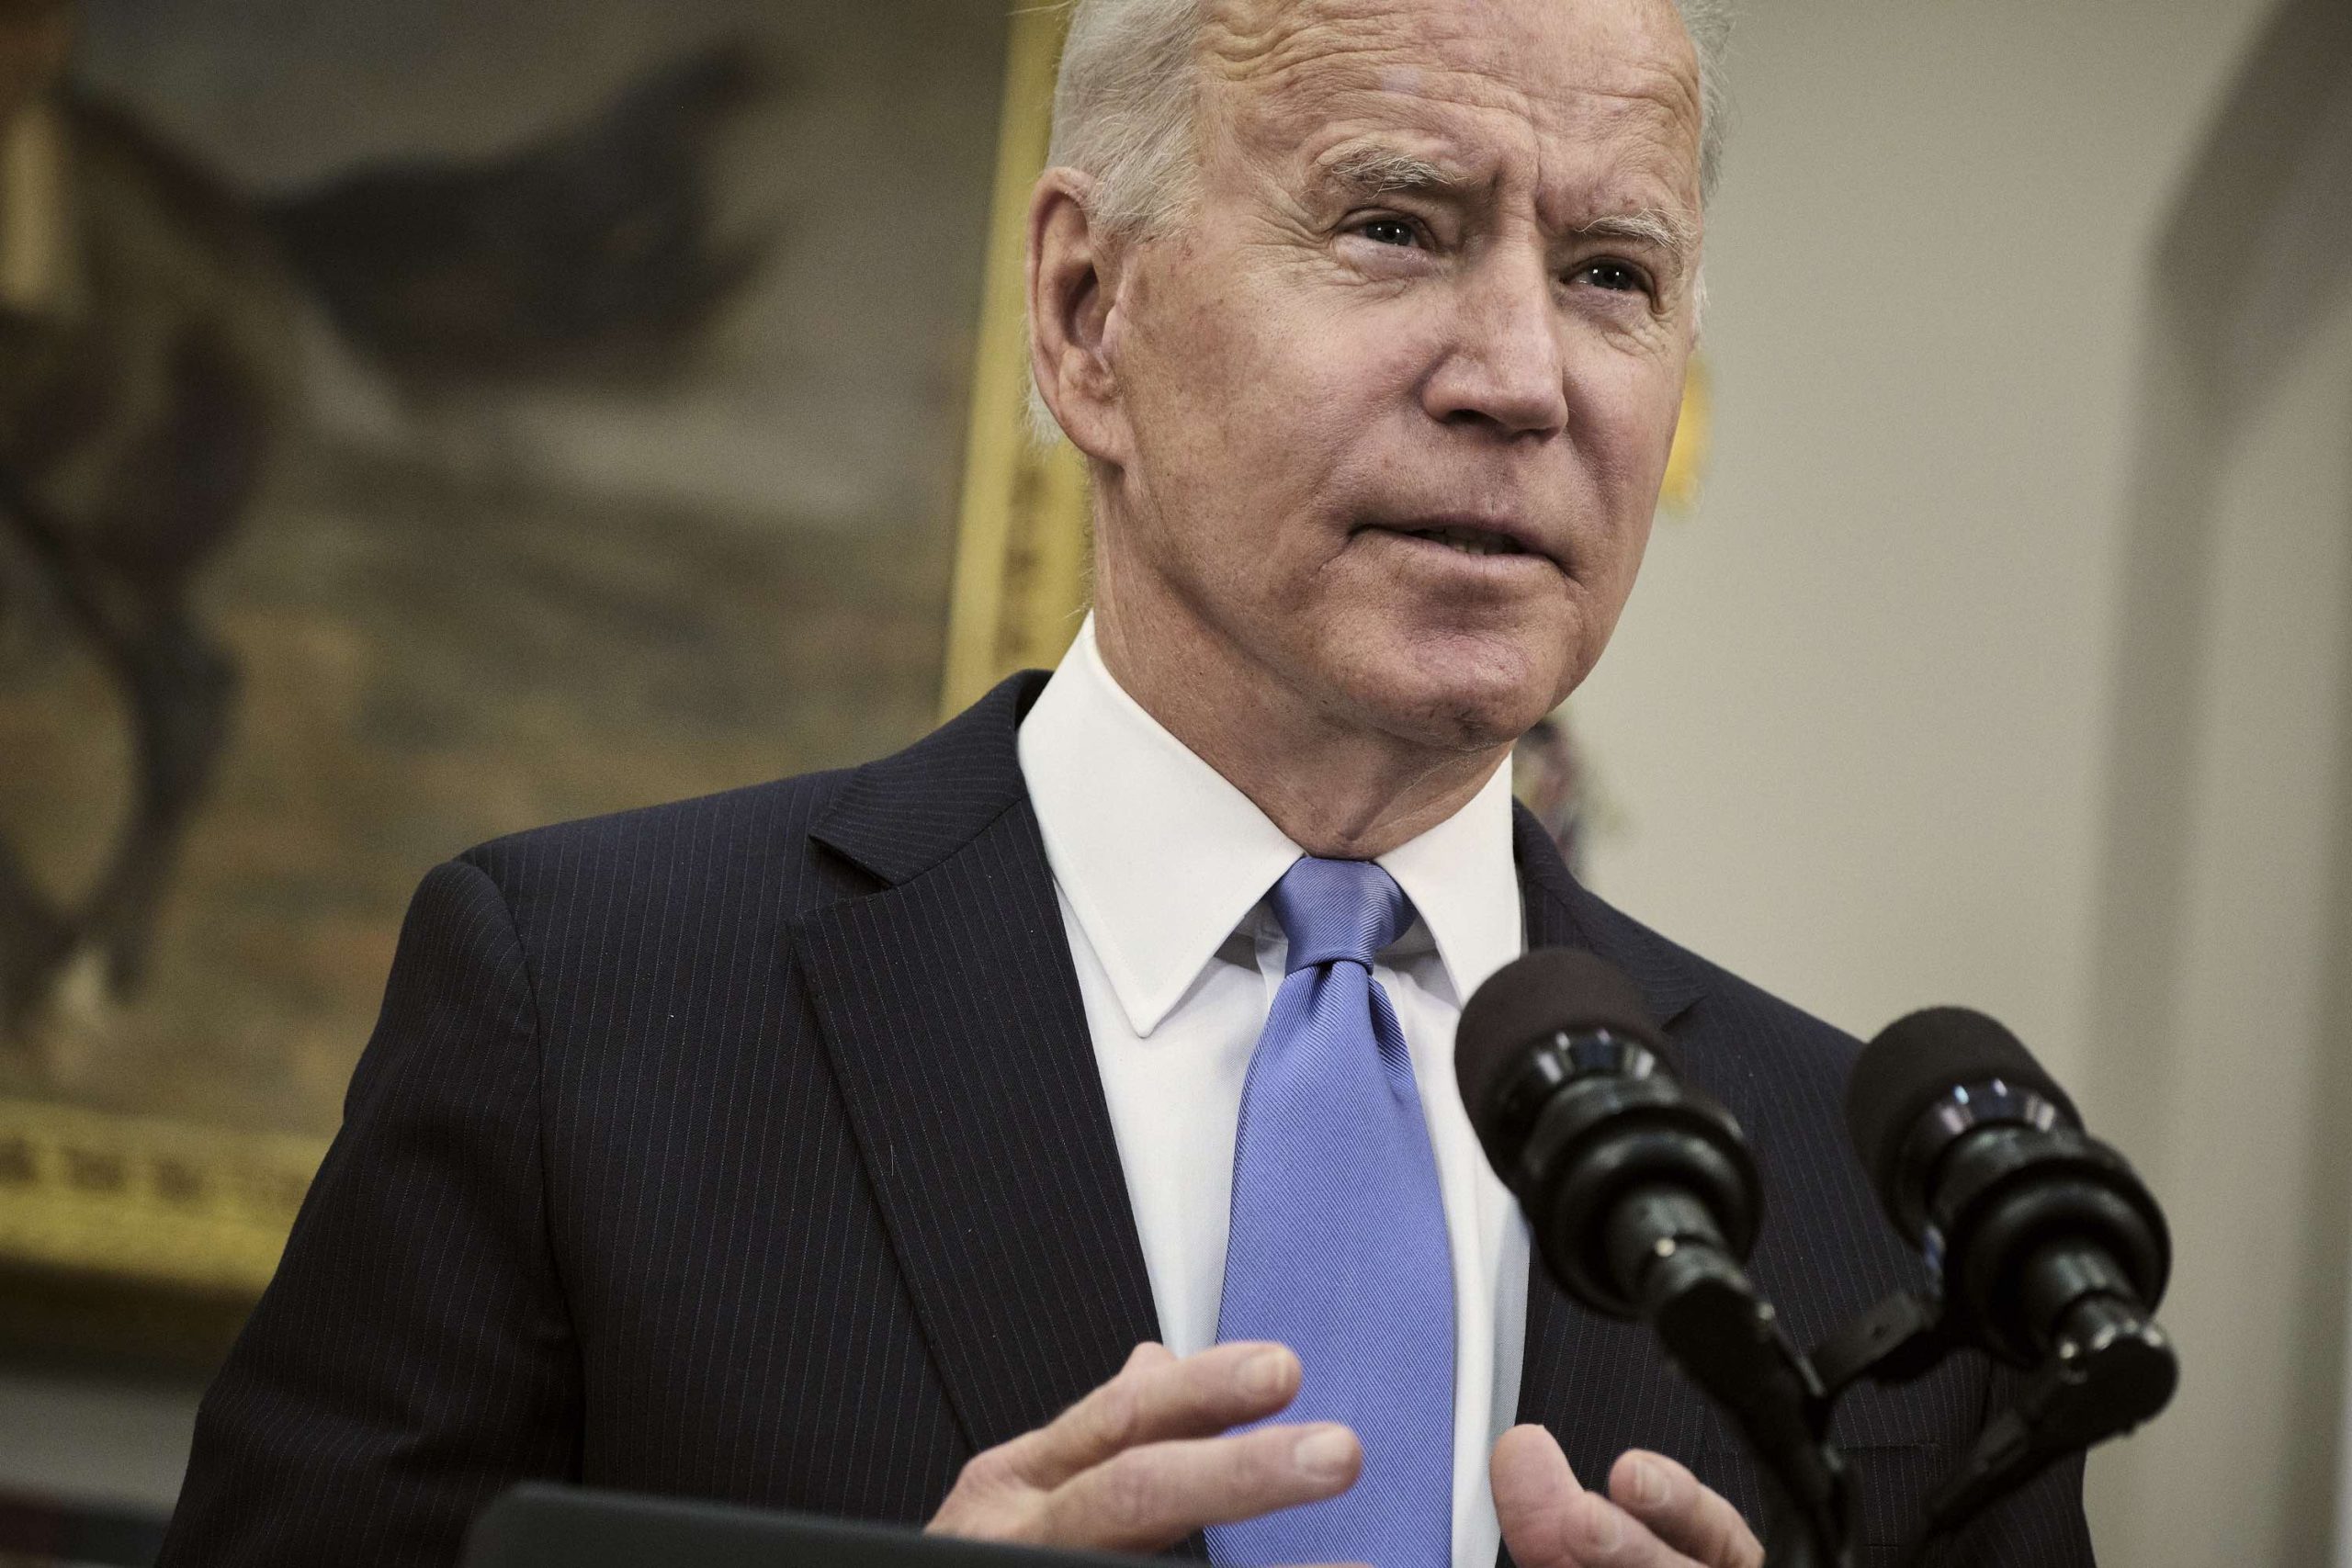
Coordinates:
[2004,660]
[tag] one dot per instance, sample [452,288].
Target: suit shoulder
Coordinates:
[1726,1005]
[1816,1042]
[754,839]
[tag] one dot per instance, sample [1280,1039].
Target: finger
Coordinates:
[1150,1498]
[1549,1521]
[1683,1511]
[1155,1398]
[1599,1534]
[1535,1493]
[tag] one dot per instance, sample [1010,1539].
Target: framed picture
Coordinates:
[419,423]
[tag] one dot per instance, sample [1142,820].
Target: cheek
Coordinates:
[1277,383]
[1631,548]
[1630,398]
[1243,410]
[1627,412]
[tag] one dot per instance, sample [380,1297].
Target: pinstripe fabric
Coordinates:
[752,1148]
[974,1093]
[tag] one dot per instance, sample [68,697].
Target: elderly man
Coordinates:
[825,1144]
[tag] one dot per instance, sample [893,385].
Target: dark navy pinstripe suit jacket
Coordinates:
[752,1147]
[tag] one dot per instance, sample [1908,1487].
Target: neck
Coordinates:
[1336,789]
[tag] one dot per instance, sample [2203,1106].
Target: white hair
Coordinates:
[1123,108]
[1123,103]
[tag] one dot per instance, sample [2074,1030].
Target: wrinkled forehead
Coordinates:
[1558,90]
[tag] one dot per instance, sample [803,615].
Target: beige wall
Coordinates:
[2006,662]
[2233,1144]
[1854,716]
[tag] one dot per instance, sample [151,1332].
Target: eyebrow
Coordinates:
[1668,231]
[1381,171]
[1369,172]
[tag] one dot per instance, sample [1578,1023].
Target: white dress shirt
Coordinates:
[1163,870]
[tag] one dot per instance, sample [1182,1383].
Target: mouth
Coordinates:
[1467,537]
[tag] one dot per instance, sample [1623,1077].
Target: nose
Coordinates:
[1503,368]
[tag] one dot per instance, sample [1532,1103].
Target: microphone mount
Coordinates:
[2110,1368]
[1999,1187]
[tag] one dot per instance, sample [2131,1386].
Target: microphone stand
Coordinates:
[2111,1369]
[1728,1340]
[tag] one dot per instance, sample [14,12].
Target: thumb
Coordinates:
[1535,1493]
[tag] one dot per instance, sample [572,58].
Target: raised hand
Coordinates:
[1146,1460]
[1656,1515]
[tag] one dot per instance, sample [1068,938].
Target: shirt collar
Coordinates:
[1160,858]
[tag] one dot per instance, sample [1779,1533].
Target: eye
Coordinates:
[1389,231]
[1615,276]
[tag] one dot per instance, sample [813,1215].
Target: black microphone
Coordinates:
[1634,1186]
[2042,1235]
[1644,1201]
[2047,1249]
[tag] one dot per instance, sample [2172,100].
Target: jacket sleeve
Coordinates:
[413,1355]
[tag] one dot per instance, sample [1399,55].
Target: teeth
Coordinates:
[1471,541]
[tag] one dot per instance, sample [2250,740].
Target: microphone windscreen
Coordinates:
[1532,998]
[1916,1060]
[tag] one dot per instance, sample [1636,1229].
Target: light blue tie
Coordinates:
[1339,1245]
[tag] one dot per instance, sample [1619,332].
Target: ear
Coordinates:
[1072,289]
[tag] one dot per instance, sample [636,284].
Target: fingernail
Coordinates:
[1265,1374]
[1327,1453]
[1643,1483]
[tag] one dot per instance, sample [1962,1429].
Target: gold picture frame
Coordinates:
[1022,538]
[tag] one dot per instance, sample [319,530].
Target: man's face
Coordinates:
[1397,393]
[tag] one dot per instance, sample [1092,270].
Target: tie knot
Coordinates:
[1334,909]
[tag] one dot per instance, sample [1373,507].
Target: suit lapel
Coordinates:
[1561,913]
[959,1042]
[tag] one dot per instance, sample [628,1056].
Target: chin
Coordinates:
[1466,709]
